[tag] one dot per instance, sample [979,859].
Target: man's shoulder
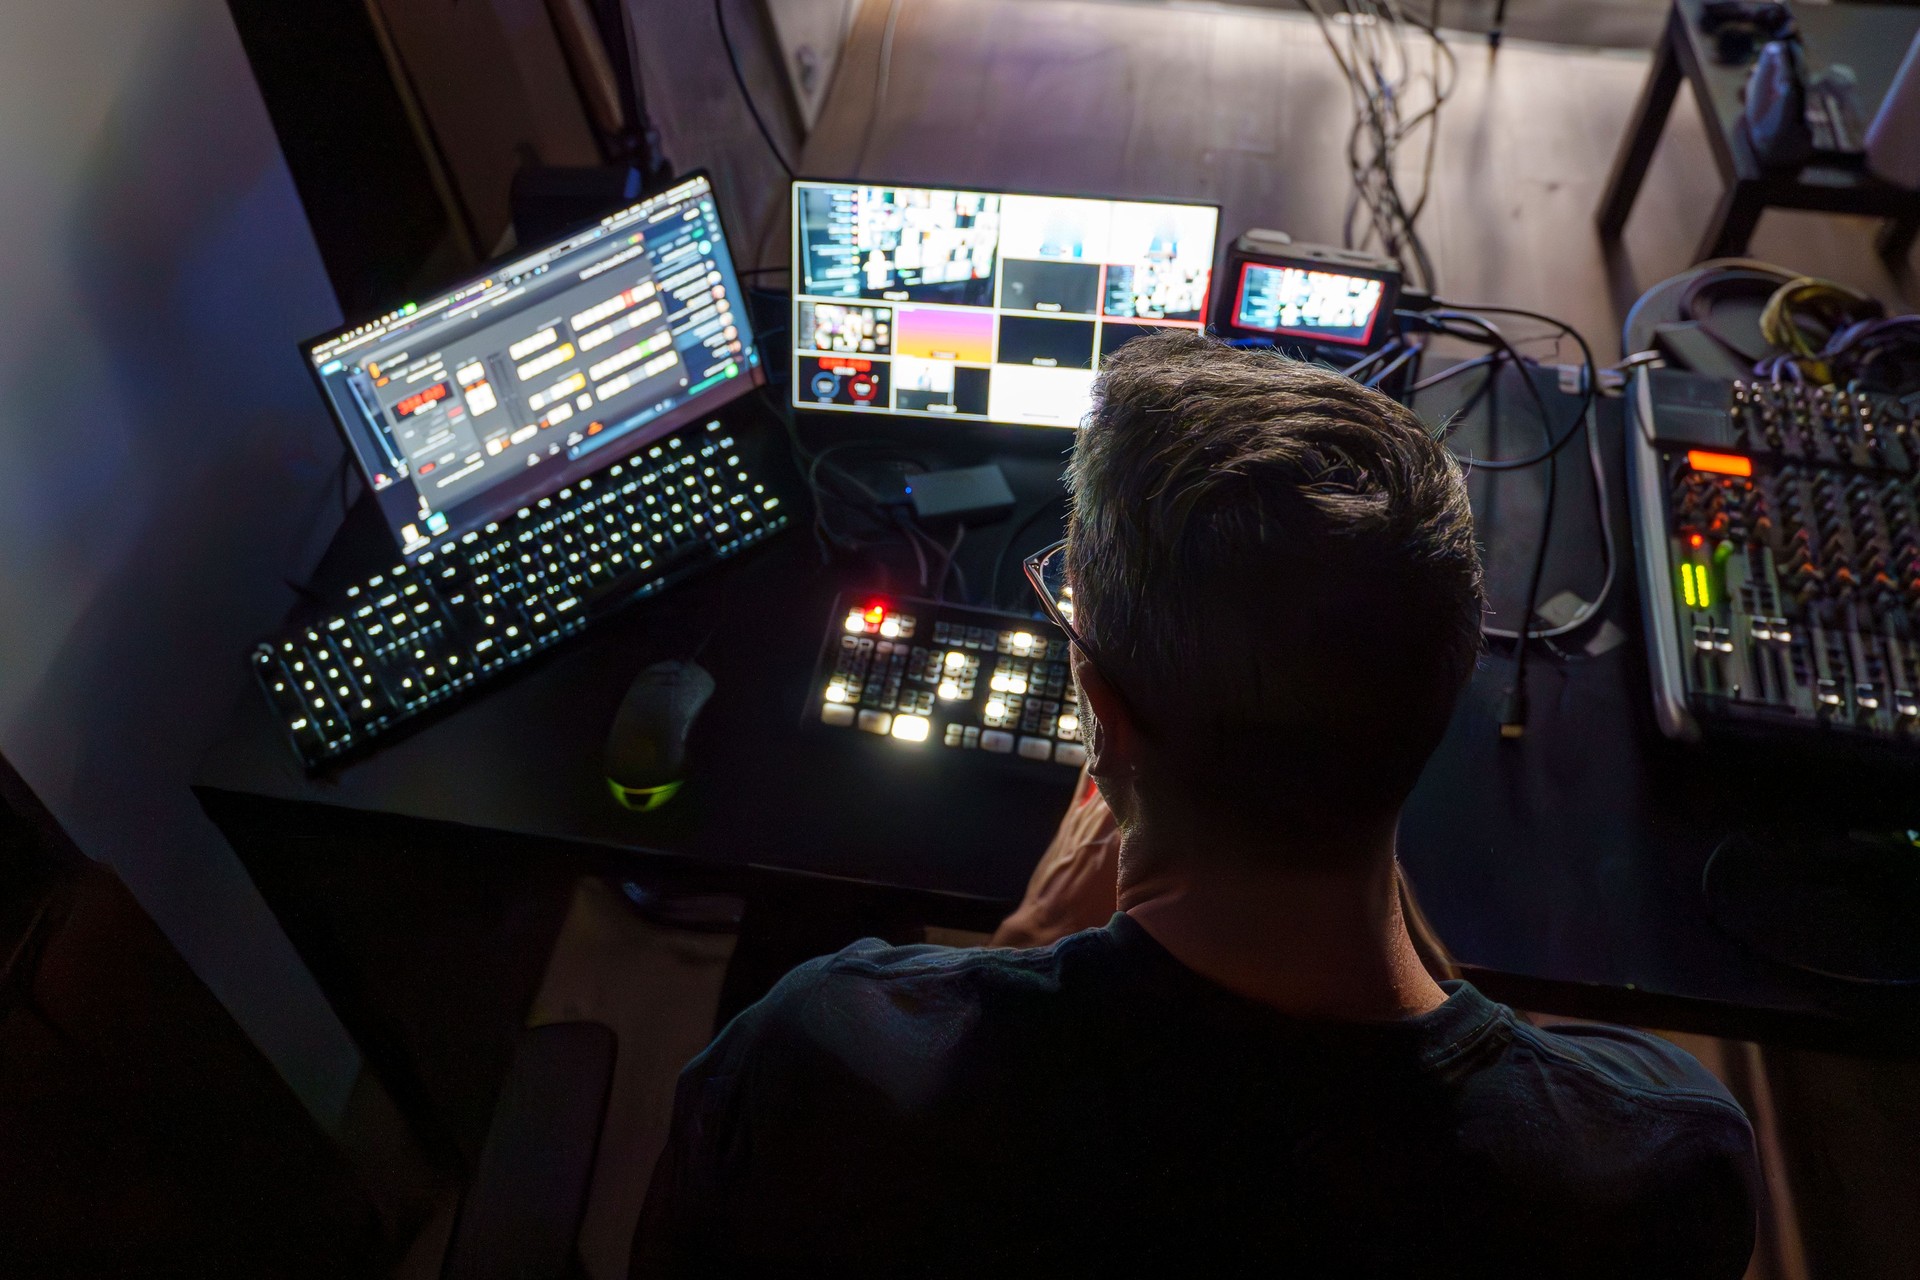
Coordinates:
[847,1010]
[1623,1067]
[1608,1114]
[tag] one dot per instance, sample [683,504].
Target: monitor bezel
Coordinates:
[1000,427]
[757,371]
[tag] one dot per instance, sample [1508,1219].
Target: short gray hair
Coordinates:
[1277,567]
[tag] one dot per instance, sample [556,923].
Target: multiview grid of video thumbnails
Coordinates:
[980,306]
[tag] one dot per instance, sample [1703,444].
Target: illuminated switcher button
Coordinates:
[875,721]
[911,728]
[997,740]
[1070,753]
[1036,749]
[836,713]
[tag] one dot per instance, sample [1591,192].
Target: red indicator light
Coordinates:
[421,400]
[1696,540]
[1725,464]
[875,615]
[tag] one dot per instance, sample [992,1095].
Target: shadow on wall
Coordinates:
[169,465]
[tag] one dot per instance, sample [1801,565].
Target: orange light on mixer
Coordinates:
[1724,464]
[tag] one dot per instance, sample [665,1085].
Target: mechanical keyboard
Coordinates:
[920,674]
[420,635]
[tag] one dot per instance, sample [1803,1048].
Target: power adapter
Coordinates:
[965,495]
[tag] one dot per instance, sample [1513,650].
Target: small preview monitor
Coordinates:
[1312,295]
[468,405]
[982,306]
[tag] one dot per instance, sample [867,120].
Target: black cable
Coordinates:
[1386,371]
[1379,78]
[1372,357]
[1590,376]
[1000,560]
[1514,712]
[1455,370]
[740,80]
[1602,505]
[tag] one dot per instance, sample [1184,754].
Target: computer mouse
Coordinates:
[647,746]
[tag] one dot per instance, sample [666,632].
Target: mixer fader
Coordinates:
[1778,530]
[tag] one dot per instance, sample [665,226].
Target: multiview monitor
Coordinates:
[982,306]
[465,406]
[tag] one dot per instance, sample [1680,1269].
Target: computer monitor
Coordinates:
[982,306]
[463,407]
[1311,295]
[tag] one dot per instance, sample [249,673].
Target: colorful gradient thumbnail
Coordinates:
[965,336]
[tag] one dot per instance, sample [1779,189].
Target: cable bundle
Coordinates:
[1820,332]
[1470,324]
[1830,334]
[1395,95]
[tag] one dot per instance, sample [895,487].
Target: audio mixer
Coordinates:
[1778,532]
[925,675]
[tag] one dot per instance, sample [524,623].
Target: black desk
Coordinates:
[1871,39]
[1563,869]
[764,793]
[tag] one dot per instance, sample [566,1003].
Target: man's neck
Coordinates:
[1314,944]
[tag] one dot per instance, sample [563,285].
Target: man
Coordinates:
[1271,575]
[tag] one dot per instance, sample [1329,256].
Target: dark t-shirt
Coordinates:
[1095,1106]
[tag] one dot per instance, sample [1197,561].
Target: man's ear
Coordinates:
[1112,738]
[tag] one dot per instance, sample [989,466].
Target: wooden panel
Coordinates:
[495,92]
[1246,108]
[697,106]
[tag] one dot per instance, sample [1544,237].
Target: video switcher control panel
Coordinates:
[924,675]
[1778,532]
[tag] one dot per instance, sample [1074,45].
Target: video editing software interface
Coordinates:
[982,306]
[466,406]
[1306,302]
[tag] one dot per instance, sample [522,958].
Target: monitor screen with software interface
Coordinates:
[463,407]
[1301,301]
[982,306]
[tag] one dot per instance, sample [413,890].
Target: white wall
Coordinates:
[164,461]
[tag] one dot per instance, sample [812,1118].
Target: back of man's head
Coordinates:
[1275,566]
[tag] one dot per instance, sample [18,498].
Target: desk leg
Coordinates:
[1896,238]
[1643,132]
[1734,219]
